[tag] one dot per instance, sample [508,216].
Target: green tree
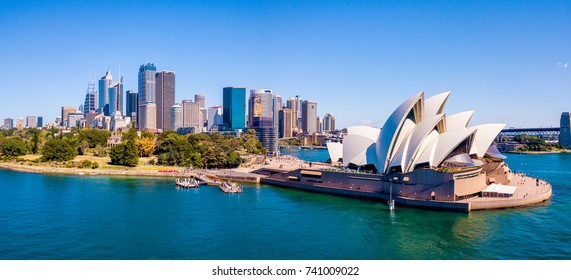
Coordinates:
[131,135]
[173,150]
[125,154]
[94,137]
[58,150]
[35,140]
[13,147]
[146,134]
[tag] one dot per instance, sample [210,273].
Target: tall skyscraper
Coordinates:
[318,124]
[309,116]
[131,110]
[234,108]
[285,123]
[565,130]
[8,123]
[104,84]
[31,121]
[112,108]
[90,103]
[276,110]
[147,83]
[329,122]
[261,119]
[148,117]
[40,121]
[200,99]
[65,111]
[292,105]
[261,109]
[191,116]
[116,97]
[176,117]
[165,96]
[21,123]
[214,116]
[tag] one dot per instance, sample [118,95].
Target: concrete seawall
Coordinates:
[370,195]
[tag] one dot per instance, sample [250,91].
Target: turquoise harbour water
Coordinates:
[74,217]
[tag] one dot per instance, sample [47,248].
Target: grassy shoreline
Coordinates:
[27,164]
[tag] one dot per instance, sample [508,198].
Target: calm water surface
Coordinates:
[71,217]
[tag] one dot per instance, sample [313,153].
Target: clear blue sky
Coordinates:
[507,60]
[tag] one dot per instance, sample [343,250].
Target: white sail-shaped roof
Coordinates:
[421,132]
[366,131]
[440,147]
[459,120]
[355,149]
[484,137]
[396,128]
[435,104]
[335,150]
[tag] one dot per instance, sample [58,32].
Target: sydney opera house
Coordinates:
[421,157]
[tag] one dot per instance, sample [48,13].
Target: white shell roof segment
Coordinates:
[459,120]
[418,136]
[388,137]
[485,136]
[435,104]
[355,149]
[366,131]
[335,150]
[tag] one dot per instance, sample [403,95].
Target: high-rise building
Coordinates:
[285,123]
[8,123]
[292,105]
[261,119]
[309,116]
[131,110]
[200,99]
[89,119]
[148,117]
[112,106]
[318,124]
[260,112]
[214,116]
[65,111]
[176,117]
[147,83]
[21,123]
[268,136]
[565,130]
[165,96]
[90,103]
[191,116]
[31,121]
[234,108]
[40,121]
[116,97]
[104,84]
[74,118]
[277,107]
[329,122]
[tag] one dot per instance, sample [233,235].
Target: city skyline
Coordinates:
[514,57]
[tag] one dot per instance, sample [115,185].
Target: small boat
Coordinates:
[187,183]
[229,187]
